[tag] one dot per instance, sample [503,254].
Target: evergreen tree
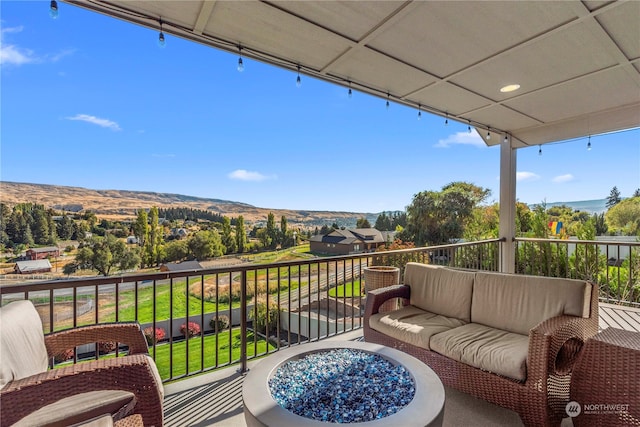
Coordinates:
[40,227]
[283,232]
[636,193]
[141,227]
[614,197]
[272,232]
[65,227]
[155,238]
[363,223]
[600,224]
[241,235]
[228,241]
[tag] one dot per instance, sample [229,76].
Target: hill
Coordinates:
[123,204]
[592,206]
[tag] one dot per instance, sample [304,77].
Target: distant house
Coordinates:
[132,240]
[43,253]
[179,233]
[181,266]
[344,242]
[33,267]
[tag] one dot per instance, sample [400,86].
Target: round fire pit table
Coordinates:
[261,408]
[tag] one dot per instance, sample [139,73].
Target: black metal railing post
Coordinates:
[243,322]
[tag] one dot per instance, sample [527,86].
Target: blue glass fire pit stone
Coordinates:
[342,386]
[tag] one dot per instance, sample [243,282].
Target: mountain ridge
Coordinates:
[123,204]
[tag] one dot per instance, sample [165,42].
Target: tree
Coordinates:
[272,232]
[614,197]
[40,228]
[228,241]
[65,227]
[383,222]
[436,217]
[263,236]
[176,250]
[600,224]
[205,244]
[141,227]
[636,193]
[363,223]
[104,254]
[152,252]
[283,232]
[241,235]
[624,217]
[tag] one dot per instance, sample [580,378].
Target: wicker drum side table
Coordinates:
[605,385]
[381,276]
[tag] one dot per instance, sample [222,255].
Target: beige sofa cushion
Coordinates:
[440,290]
[412,325]
[78,408]
[517,303]
[22,349]
[486,348]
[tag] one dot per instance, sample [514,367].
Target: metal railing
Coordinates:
[613,265]
[276,305]
[268,306]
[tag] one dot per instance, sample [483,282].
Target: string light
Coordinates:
[53,9]
[419,112]
[388,100]
[506,138]
[539,150]
[489,134]
[589,144]
[298,79]
[469,126]
[350,91]
[240,63]
[446,120]
[161,41]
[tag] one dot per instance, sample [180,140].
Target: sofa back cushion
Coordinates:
[22,349]
[517,303]
[440,290]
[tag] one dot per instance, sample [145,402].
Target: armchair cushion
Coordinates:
[22,349]
[79,408]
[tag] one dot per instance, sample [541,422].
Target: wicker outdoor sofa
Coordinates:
[509,339]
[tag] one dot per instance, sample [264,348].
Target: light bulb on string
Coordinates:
[589,144]
[240,63]
[161,40]
[506,138]
[298,79]
[539,150]
[469,126]
[53,9]
[350,91]
[489,134]
[388,100]
[446,120]
[419,111]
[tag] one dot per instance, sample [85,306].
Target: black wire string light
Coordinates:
[539,150]
[419,111]
[350,91]
[240,63]
[446,120]
[388,100]
[469,126]
[161,40]
[53,9]
[298,79]
[488,134]
[589,144]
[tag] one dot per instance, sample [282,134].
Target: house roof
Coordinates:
[35,265]
[577,62]
[345,237]
[46,249]
[183,266]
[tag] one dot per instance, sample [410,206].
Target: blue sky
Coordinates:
[94,102]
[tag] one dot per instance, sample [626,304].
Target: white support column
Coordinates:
[507,205]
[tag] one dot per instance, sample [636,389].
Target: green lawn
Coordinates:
[195,344]
[347,290]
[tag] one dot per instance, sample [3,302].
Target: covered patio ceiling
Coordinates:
[577,62]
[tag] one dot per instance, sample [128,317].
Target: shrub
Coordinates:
[265,319]
[106,347]
[191,330]
[154,336]
[65,355]
[219,323]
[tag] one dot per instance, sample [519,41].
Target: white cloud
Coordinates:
[105,123]
[563,178]
[527,176]
[462,138]
[11,54]
[245,175]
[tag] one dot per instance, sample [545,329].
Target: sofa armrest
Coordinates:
[129,334]
[554,345]
[136,374]
[376,297]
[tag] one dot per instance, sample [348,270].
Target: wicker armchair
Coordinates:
[31,393]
